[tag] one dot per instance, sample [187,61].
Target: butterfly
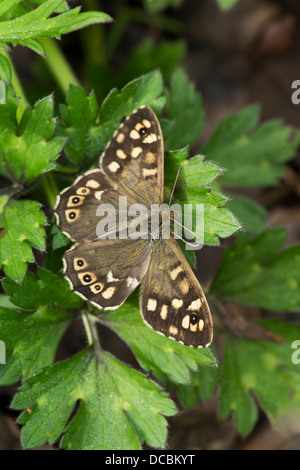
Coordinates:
[105,271]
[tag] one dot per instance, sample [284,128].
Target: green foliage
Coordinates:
[227,4]
[27,27]
[123,406]
[241,377]
[268,277]
[28,148]
[253,155]
[43,148]
[156,5]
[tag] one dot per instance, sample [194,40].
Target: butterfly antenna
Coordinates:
[198,238]
[174,185]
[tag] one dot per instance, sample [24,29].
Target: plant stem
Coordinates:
[58,65]
[91,333]
[16,86]
[50,187]
[93,36]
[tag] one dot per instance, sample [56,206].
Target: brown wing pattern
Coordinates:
[172,301]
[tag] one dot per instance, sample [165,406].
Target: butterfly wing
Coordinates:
[134,158]
[106,272]
[172,301]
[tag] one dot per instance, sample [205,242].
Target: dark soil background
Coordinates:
[249,54]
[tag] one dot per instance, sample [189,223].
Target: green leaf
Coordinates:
[24,228]
[191,192]
[195,172]
[157,5]
[119,407]
[253,155]
[79,117]
[277,393]
[185,107]
[218,221]
[7,5]
[32,337]
[233,395]
[267,277]
[148,56]
[42,288]
[27,149]
[31,340]
[33,44]
[38,23]
[166,358]
[5,69]
[203,384]
[86,138]
[251,215]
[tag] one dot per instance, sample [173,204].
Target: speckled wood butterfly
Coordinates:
[106,271]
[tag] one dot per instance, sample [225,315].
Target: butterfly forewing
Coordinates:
[172,301]
[134,158]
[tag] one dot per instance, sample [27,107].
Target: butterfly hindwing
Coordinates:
[172,301]
[106,272]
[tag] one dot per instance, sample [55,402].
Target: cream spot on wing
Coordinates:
[108,293]
[195,305]
[98,195]
[110,277]
[134,134]
[150,139]
[139,126]
[175,272]
[184,286]
[113,167]
[173,330]
[132,282]
[150,158]
[151,305]
[121,154]
[177,303]
[120,138]
[164,312]
[146,123]
[93,184]
[194,327]
[201,324]
[151,172]
[186,322]
[136,152]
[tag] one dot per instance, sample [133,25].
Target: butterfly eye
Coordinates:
[143,131]
[193,319]
[87,277]
[83,191]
